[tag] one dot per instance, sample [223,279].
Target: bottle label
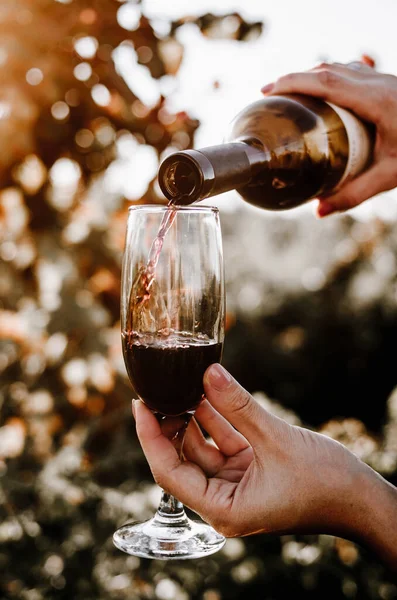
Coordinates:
[360,144]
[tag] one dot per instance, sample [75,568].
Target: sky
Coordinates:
[296,36]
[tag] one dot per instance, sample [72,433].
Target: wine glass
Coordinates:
[172,321]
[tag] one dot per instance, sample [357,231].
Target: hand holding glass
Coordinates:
[172,322]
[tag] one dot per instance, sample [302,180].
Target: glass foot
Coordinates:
[168,538]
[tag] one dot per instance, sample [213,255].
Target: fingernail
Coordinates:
[325,208]
[133,407]
[218,377]
[267,88]
[368,60]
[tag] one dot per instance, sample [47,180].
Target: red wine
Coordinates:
[167,372]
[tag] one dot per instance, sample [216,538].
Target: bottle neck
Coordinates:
[192,175]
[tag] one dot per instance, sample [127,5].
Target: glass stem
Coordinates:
[170,507]
[170,510]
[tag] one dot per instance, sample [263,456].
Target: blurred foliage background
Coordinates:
[312,319]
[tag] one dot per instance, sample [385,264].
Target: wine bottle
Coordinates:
[281,152]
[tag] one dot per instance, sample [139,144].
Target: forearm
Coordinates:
[375,525]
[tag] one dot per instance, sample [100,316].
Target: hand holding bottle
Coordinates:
[372,96]
[266,476]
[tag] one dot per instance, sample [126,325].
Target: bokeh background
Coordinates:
[93,93]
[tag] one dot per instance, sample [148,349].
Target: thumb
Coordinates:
[374,181]
[237,405]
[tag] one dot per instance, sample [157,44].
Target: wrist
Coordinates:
[372,518]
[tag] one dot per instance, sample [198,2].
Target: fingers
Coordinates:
[333,85]
[238,406]
[362,66]
[374,181]
[355,68]
[198,450]
[185,480]
[225,436]
[372,96]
